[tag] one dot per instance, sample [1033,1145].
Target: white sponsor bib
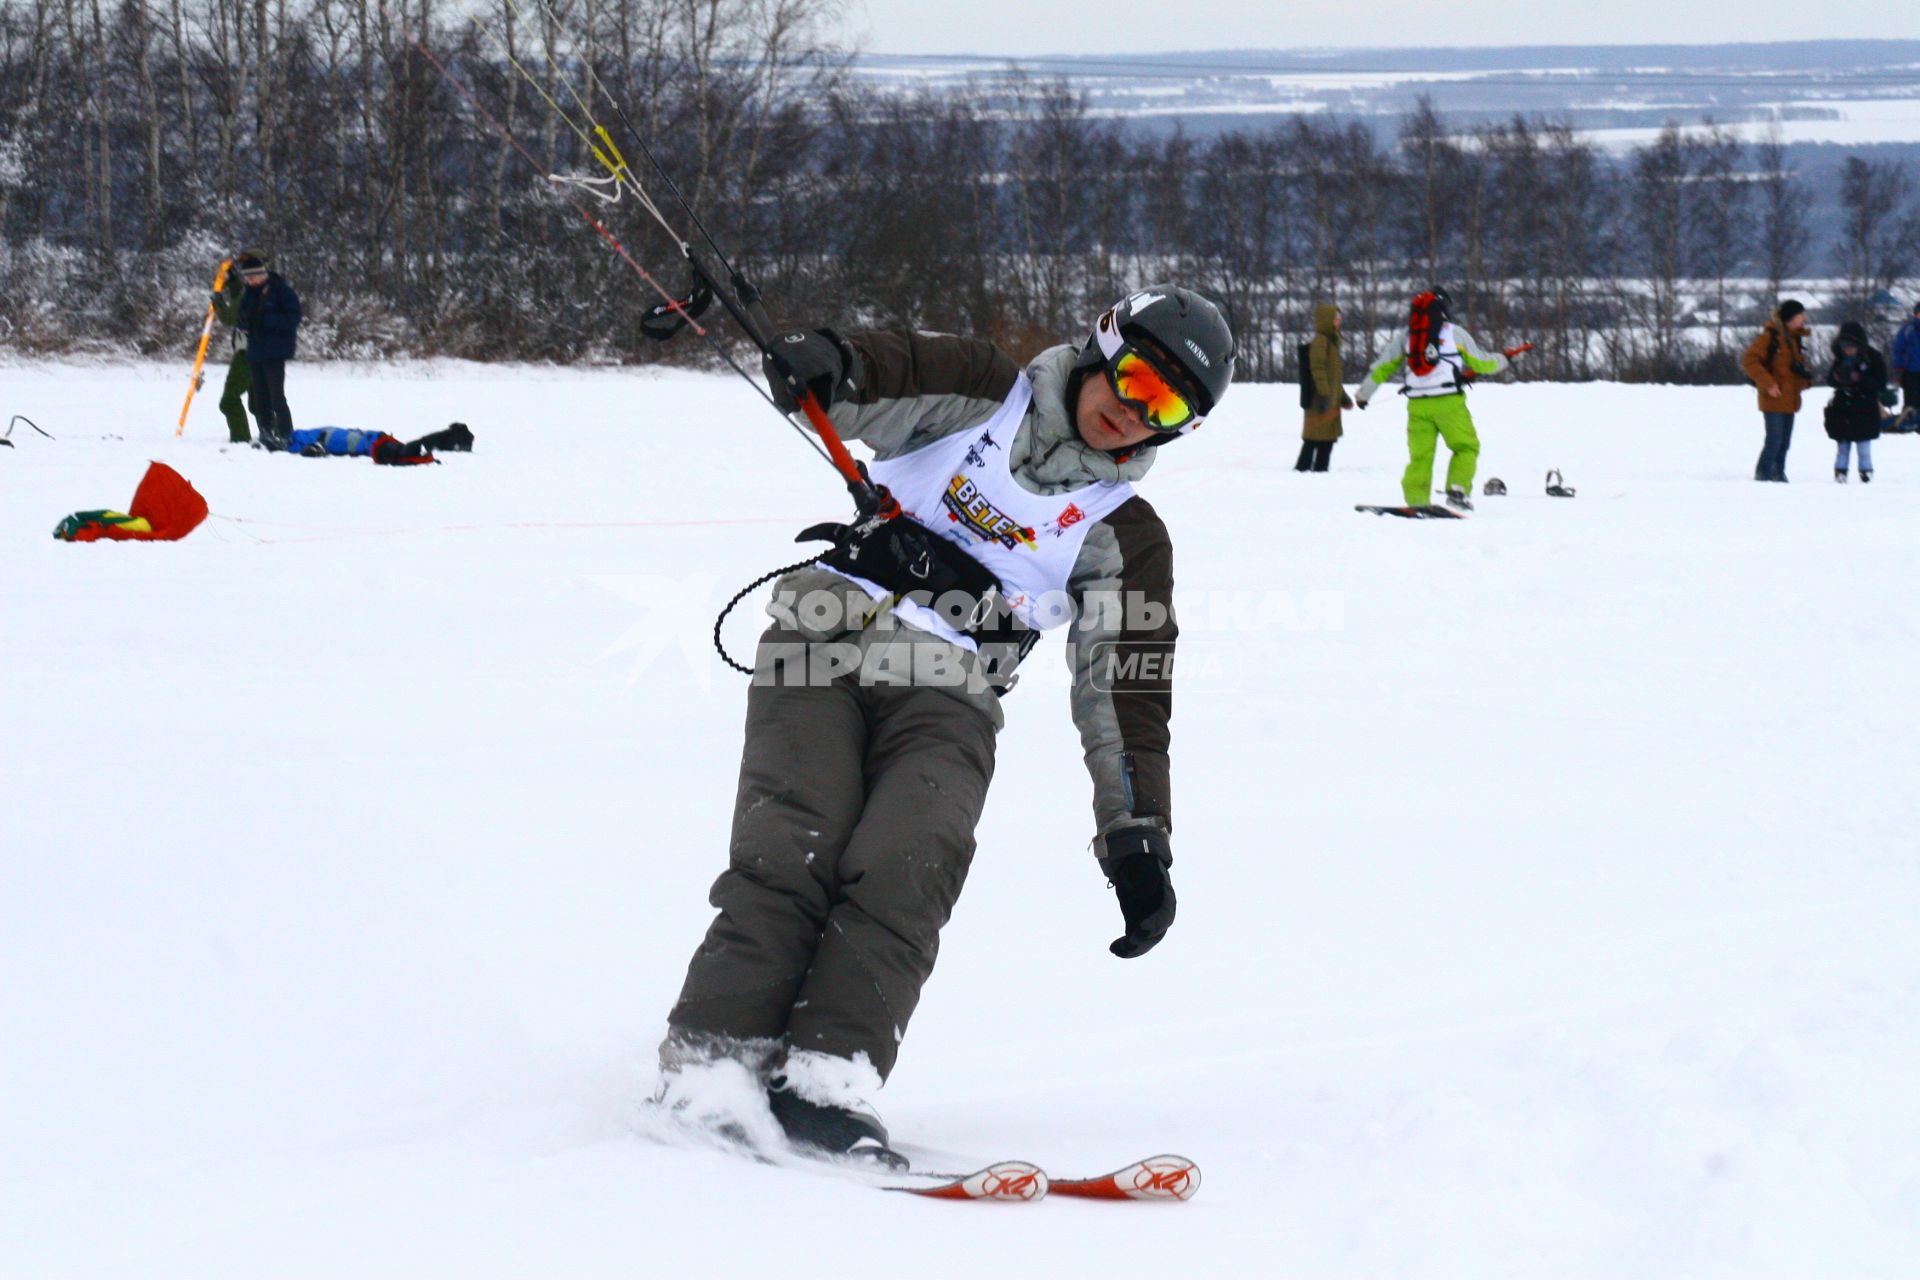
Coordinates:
[962,487]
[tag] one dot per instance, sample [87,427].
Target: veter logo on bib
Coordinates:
[966,505]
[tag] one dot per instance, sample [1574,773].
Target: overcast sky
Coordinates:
[1030,27]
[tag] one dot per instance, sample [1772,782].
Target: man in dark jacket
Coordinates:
[1906,361]
[874,709]
[1858,378]
[1775,363]
[269,314]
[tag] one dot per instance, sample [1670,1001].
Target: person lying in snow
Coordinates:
[385,450]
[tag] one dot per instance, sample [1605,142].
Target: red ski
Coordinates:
[1156,1178]
[1014,1180]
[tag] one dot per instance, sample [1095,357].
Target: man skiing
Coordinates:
[1440,359]
[873,713]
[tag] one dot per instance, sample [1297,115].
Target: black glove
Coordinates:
[1136,862]
[818,359]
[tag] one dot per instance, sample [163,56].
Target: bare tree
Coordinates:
[1663,215]
[1241,186]
[1784,203]
[1573,253]
[1877,240]
[1723,219]
[1432,162]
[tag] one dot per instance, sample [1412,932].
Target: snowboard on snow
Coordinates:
[1432,511]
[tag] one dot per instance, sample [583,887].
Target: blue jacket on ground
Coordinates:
[339,442]
[1906,347]
[271,316]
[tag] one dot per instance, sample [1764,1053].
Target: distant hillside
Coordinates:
[1826,99]
[1842,91]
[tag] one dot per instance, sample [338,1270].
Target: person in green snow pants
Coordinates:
[239,383]
[1435,359]
[226,305]
[1439,418]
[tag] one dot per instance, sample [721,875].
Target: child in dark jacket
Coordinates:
[1858,378]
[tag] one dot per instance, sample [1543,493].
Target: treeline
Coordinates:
[142,139]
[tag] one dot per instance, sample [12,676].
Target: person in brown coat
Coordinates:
[1322,426]
[1775,363]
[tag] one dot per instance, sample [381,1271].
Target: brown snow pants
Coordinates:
[852,835]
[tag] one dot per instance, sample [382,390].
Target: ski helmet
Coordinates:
[1179,336]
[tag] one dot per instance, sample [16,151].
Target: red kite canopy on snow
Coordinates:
[165,508]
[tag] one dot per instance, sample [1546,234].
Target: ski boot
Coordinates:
[819,1114]
[1458,500]
[715,1098]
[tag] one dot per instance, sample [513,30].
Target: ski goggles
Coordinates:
[1162,406]
[1165,403]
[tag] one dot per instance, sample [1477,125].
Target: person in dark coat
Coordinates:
[1322,426]
[1858,379]
[269,314]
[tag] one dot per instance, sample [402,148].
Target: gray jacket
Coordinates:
[916,388]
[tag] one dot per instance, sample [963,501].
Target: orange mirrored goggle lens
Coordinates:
[1140,384]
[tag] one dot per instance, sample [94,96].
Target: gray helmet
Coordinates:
[1179,333]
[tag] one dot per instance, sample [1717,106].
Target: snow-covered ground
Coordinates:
[1853,122]
[1548,885]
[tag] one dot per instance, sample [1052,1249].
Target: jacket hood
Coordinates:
[1323,317]
[1048,455]
[1852,331]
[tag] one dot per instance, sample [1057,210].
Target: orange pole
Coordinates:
[200,356]
[842,460]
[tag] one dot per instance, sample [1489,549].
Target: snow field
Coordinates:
[1547,879]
